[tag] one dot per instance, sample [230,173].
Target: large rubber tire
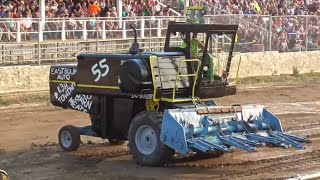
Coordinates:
[69,138]
[144,140]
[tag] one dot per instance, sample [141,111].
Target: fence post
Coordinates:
[270,33]
[142,28]
[206,19]
[63,30]
[186,4]
[124,31]
[119,12]
[18,31]
[306,32]
[40,31]
[39,53]
[103,29]
[150,34]
[159,28]
[262,39]
[40,39]
[84,31]
[97,34]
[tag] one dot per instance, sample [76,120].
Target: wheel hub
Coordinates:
[66,139]
[146,139]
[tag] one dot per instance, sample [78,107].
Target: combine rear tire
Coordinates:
[144,140]
[69,138]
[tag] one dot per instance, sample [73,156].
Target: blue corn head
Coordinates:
[221,128]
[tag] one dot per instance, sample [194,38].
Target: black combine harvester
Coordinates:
[156,101]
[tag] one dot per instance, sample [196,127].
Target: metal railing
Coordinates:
[245,39]
[57,40]
[32,41]
[259,33]
[63,29]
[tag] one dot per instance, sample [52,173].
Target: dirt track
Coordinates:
[29,150]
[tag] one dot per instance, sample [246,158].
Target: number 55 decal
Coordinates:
[100,69]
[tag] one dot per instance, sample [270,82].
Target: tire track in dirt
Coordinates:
[276,165]
[101,155]
[283,164]
[89,158]
[302,127]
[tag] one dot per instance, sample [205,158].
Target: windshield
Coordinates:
[219,49]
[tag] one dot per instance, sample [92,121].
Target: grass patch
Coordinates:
[9,99]
[284,79]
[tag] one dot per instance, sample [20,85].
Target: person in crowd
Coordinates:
[286,15]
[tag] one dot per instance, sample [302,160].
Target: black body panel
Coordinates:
[62,90]
[100,71]
[216,91]
[119,115]
[99,74]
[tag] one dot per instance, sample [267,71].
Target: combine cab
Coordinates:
[156,100]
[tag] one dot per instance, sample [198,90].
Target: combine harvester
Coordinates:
[156,100]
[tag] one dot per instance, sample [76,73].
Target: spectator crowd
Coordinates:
[291,30]
[27,11]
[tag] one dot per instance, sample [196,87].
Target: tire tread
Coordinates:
[163,154]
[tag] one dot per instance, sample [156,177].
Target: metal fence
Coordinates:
[64,29]
[258,33]
[38,40]
[59,40]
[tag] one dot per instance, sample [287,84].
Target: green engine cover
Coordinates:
[210,74]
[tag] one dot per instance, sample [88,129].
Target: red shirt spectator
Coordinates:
[93,8]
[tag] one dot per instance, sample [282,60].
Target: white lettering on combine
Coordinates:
[142,96]
[63,77]
[64,91]
[100,69]
[81,102]
[63,71]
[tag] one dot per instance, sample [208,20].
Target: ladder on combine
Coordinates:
[171,79]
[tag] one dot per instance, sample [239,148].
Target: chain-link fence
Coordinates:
[251,36]
[258,33]
[295,33]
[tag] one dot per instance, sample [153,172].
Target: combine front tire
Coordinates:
[144,140]
[69,138]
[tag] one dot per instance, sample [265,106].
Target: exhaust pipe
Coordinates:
[134,49]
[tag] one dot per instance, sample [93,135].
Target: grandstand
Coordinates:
[264,25]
